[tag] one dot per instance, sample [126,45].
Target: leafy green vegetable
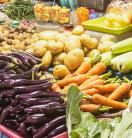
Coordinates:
[73,114]
[124,128]
[90,127]
[85,125]
[20,9]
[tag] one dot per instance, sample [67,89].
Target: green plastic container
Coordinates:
[98,25]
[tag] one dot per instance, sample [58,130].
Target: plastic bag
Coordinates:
[118,14]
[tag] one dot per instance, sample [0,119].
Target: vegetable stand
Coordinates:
[60,81]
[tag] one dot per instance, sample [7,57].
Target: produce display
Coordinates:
[28,105]
[53,82]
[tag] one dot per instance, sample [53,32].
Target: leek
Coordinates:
[122,46]
[122,63]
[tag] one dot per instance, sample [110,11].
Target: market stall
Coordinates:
[65,70]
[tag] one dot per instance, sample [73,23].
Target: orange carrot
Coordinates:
[130,93]
[77,79]
[55,87]
[98,69]
[107,95]
[85,101]
[99,99]
[90,108]
[84,68]
[91,91]
[68,76]
[108,88]
[92,78]
[120,91]
[91,84]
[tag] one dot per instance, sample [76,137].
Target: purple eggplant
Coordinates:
[21,57]
[18,70]
[31,58]
[37,94]
[56,110]
[36,118]
[12,122]
[5,58]
[22,118]
[57,131]
[38,101]
[41,108]
[7,93]
[24,130]
[14,102]
[3,63]
[19,63]
[26,75]
[43,131]
[5,113]
[17,109]
[33,87]
[21,82]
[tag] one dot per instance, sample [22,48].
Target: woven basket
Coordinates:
[94,4]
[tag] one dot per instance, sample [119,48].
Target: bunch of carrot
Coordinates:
[104,94]
[90,83]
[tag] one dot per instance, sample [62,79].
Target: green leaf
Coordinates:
[123,126]
[73,114]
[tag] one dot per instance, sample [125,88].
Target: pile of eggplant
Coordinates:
[29,106]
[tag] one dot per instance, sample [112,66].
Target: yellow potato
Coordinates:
[61,37]
[48,35]
[74,59]
[20,46]
[55,47]
[46,60]
[40,48]
[7,47]
[15,41]
[59,59]
[87,41]
[60,71]
[78,30]
[72,42]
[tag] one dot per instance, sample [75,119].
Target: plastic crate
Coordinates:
[94,4]
[7,133]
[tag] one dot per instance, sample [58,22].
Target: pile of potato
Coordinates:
[15,39]
[67,49]
[64,50]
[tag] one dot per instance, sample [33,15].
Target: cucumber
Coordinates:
[122,46]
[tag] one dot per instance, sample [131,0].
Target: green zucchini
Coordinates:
[122,46]
[122,63]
